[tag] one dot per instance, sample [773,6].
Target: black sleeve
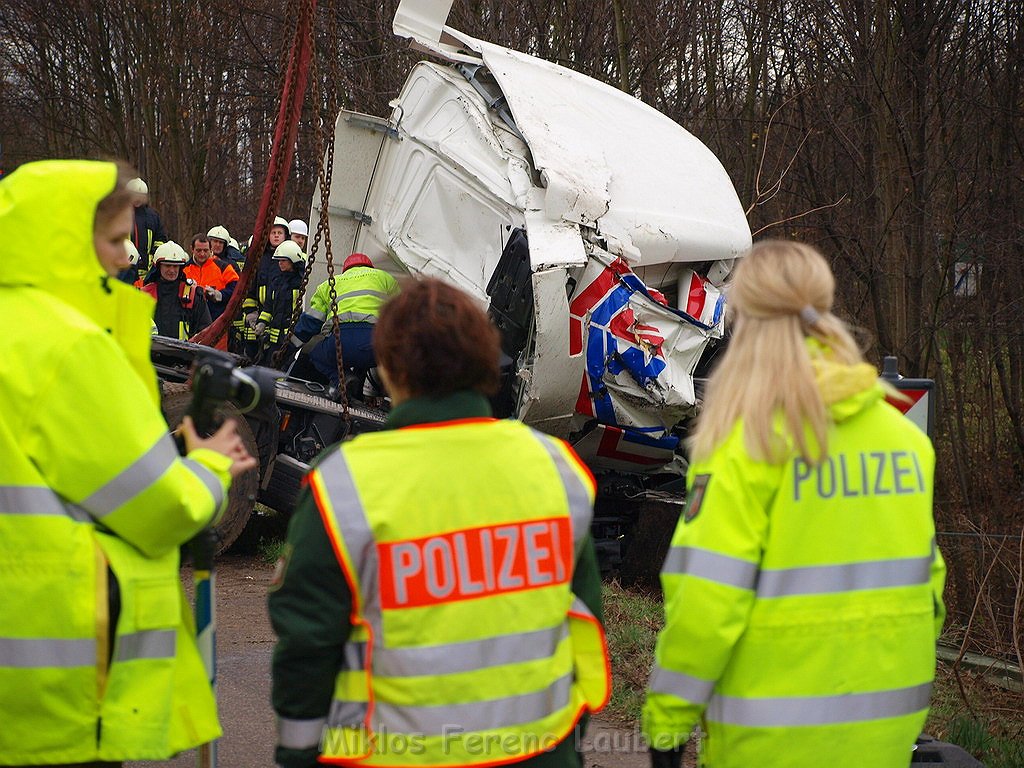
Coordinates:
[586,579]
[310,605]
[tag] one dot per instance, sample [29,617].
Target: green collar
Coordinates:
[466,404]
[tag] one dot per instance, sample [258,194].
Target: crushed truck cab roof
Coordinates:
[597,230]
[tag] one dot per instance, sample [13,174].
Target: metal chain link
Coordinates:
[318,143]
[323,137]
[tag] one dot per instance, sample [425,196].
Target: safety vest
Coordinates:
[361,292]
[803,601]
[468,647]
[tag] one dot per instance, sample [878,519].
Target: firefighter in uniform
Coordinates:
[279,299]
[445,610]
[267,269]
[803,587]
[97,657]
[147,231]
[181,309]
[361,290]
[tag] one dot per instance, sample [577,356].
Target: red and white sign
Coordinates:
[916,408]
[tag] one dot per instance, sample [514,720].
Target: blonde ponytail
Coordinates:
[780,294]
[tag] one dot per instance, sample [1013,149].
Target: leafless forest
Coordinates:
[890,134]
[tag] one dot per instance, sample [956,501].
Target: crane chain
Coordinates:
[323,137]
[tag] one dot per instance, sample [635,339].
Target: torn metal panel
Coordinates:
[640,354]
[613,448]
[548,395]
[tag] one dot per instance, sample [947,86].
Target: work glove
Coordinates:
[251,319]
[213,293]
[673,758]
[260,328]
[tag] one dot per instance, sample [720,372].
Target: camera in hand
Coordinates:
[216,380]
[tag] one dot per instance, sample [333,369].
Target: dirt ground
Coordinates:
[244,645]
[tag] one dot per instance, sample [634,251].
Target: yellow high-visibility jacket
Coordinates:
[803,601]
[94,499]
[468,646]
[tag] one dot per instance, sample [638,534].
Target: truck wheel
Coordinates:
[242,497]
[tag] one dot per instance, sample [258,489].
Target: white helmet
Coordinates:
[280,222]
[170,253]
[233,243]
[298,227]
[289,250]
[219,233]
[138,186]
[133,253]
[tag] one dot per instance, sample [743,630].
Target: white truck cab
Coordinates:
[596,230]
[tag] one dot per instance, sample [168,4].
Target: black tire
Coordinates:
[242,497]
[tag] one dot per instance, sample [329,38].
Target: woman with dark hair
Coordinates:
[97,658]
[439,600]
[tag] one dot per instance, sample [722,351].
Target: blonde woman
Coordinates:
[803,589]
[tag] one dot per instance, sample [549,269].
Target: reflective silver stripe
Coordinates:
[818,710]
[693,689]
[712,566]
[353,294]
[355,655]
[77,514]
[356,317]
[142,473]
[347,713]
[578,606]
[580,509]
[468,656]
[45,652]
[299,734]
[29,500]
[150,644]
[351,520]
[316,314]
[847,577]
[475,715]
[210,480]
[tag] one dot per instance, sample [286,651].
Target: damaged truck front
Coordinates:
[597,231]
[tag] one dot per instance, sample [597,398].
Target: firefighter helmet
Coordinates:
[298,227]
[133,253]
[357,260]
[219,233]
[170,253]
[138,186]
[280,222]
[289,251]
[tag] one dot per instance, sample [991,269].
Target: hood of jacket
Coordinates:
[845,389]
[59,197]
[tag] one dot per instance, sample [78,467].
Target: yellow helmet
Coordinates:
[289,250]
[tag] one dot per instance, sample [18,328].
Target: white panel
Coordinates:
[355,152]
[552,376]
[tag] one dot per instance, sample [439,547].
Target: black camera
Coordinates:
[217,379]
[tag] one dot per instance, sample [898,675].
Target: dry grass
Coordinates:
[632,620]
